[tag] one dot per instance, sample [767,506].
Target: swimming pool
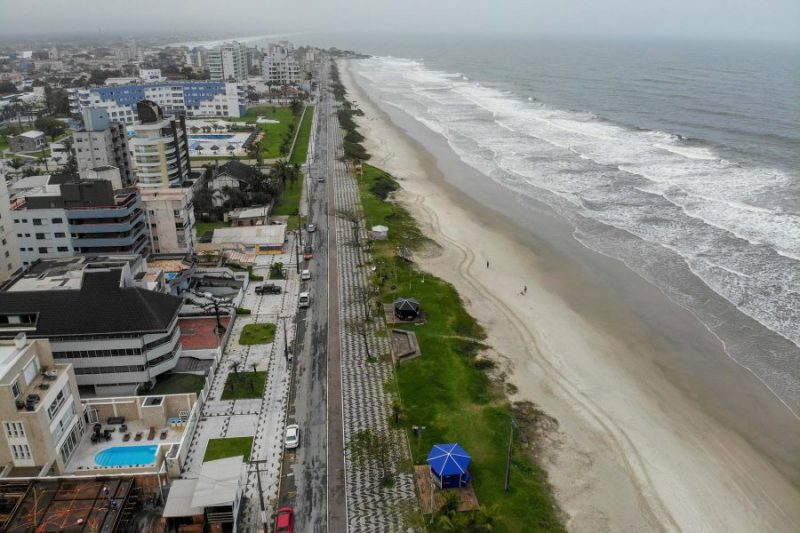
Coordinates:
[211,136]
[127,456]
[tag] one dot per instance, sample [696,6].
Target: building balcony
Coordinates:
[106,242]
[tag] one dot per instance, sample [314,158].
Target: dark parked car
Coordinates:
[268,288]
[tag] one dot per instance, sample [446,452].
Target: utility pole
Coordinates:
[261,496]
[508,458]
[285,341]
[296,256]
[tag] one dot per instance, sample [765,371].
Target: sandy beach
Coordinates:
[643,444]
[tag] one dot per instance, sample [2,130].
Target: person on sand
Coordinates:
[487,264]
[525,290]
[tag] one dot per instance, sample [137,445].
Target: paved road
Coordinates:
[310,485]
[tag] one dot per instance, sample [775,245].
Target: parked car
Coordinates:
[304,300]
[268,288]
[305,275]
[311,228]
[284,520]
[321,179]
[308,252]
[292,436]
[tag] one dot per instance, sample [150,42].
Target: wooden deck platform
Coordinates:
[404,345]
[433,496]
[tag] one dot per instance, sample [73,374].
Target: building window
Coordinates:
[59,400]
[60,235]
[63,249]
[40,236]
[21,451]
[58,221]
[42,250]
[37,221]
[14,430]
[15,389]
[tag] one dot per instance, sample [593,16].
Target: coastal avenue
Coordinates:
[315,398]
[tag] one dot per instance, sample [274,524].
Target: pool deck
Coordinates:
[83,458]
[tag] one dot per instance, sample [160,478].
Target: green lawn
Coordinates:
[300,152]
[242,385]
[231,447]
[445,390]
[257,334]
[202,227]
[274,134]
[289,202]
[178,383]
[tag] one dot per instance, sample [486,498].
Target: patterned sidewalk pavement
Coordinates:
[366,367]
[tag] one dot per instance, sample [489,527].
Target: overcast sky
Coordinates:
[724,19]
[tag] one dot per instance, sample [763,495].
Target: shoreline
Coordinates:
[632,452]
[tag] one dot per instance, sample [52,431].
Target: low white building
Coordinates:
[129,337]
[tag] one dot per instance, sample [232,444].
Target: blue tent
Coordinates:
[449,464]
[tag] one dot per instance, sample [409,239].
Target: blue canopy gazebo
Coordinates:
[449,464]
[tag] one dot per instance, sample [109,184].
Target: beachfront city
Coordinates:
[267,269]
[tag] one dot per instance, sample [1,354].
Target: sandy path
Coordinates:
[632,453]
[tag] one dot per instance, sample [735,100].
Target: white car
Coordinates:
[304,300]
[292,436]
[311,228]
[305,275]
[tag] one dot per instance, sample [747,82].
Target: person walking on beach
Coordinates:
[487,264]
[525,290]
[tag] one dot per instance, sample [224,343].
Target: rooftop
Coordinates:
[250,235]
[31,134]
[65,273]
[251,212]
[114,309]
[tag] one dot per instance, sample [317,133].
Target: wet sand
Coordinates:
[659,429]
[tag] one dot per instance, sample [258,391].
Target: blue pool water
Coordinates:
[212,136]
[127,456]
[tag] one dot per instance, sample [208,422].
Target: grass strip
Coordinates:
[230,447]
[448,389]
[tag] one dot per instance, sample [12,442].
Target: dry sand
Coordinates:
[633,452]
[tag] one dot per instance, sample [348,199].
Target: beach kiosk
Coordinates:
[380,233]
[449,465]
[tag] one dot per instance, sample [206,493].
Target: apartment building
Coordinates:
[42,420]
[186,98]
[170,214]
[9,247]
[102,143]
[115,335]
[60,216]
[160,148]
[228,62]
[281,68]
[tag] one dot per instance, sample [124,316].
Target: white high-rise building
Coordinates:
[102,143]
[280,66]
[170,214]
[228,62]
[159,147]
[9,248]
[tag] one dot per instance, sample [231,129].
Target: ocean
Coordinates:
[680,159]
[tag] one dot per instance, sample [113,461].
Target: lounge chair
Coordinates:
[126,437]
[152,434]
[138,436]
[163,434]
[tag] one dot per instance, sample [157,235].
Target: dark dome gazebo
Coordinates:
[406,308]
